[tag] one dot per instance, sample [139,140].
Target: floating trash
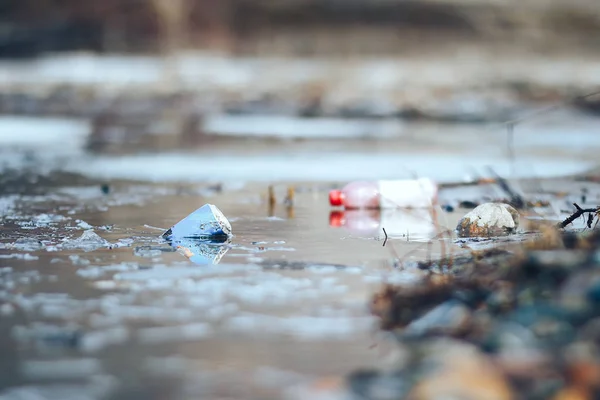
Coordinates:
[400,193]
[202,236]
[407,223]
[206,223]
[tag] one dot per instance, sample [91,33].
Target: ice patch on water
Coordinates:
[193,331]
[10,280]
[148,313]
[106,285]
[41,220]
[300,327]
[218,311]
[47,334]
[271,288]
[321,269]
[95,341]
[96,387]
[7,309]
[176,273]
[396,277]
[83,224]
[77,260]
[88,241]
[97,272]
[7,205]
[61,368]
[27,244]
[19,256]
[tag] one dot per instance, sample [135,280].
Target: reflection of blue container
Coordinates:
[201,251]
[206,223]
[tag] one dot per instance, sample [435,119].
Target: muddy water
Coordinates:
[124,316]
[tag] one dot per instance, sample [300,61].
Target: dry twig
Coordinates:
[578,213]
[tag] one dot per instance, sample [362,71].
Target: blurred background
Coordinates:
[331,77]
[310,28]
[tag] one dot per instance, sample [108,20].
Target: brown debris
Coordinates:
[573,393]
[399,306]
[464,373]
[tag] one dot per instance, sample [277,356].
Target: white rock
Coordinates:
[489,219]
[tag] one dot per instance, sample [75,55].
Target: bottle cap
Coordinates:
[336,198]
[336,219]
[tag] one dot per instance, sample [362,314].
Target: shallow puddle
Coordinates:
[96,304]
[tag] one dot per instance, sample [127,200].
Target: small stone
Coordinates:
[502,298]
[378,385]
[448,208]
[460,371]
[489,219]
[580,290]
[573,393]
[449,318]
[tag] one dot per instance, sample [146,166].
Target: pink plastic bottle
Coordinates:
[404,193]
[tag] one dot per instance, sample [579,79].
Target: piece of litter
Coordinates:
[207,222]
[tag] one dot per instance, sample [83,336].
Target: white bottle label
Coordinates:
[414,193]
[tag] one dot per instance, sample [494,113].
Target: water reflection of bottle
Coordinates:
[414,193]
[405,223]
